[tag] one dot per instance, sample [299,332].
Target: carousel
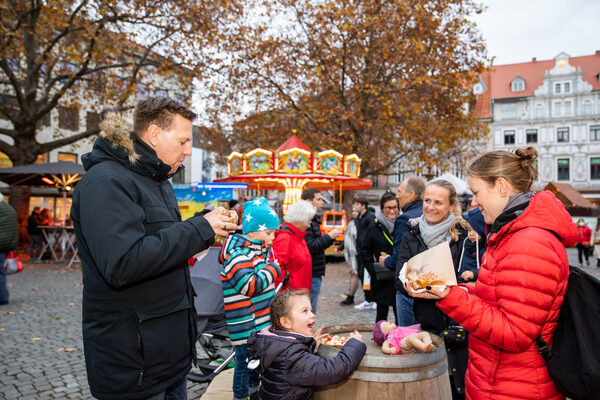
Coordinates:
[294,167]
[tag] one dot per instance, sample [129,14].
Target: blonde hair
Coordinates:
[281,306]
[518,168]
[453,198]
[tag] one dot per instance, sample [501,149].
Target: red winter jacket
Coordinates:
[584,234]
[521,285]
[289,249]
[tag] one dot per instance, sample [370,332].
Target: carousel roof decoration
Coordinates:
[293,167]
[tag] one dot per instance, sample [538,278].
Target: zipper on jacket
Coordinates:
[141,377]
[141,351]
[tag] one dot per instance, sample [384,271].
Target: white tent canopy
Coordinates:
[460,185]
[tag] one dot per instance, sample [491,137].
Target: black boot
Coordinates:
[349,300]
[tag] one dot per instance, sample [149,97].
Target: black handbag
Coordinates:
[382,273]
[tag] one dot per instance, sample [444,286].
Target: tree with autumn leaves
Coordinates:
[388,80]
[64,53]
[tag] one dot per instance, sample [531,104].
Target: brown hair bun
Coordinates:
[527,156]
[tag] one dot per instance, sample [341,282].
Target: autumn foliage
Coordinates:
[94,54]
[388,80]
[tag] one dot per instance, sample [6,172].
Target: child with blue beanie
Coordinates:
[248,277]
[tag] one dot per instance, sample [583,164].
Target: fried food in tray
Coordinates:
[429,279]
[335,341]
[230,215]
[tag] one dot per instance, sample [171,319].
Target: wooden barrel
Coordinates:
[419,376]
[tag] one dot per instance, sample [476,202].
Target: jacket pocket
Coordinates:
[157,214]
[163,334]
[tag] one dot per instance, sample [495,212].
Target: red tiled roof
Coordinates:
[498,79]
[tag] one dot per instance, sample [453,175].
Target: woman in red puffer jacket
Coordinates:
[521,284]
[289,247]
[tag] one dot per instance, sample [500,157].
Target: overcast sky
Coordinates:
[517,30]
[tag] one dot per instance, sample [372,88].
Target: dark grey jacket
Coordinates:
[317,244]
[138,312]
[290,370]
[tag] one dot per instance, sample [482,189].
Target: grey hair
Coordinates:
[301,211]
[416,184]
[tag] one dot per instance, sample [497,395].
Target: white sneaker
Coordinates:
[365,305]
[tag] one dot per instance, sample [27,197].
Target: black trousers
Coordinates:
[582,249]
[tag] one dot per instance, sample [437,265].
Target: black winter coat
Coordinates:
[362,226]
[317,244]
[430,317]
[289,370]
[139,324]
[382,292]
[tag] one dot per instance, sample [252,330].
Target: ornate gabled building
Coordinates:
[553,105]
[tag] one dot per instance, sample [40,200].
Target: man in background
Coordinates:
[317,244]
[365,217]
[409,195]
[9,239]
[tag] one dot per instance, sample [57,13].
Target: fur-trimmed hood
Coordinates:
[118,143]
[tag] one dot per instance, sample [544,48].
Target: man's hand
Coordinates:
[467,276]
[219,222]
[334,234]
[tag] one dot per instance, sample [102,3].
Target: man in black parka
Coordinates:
[139,326]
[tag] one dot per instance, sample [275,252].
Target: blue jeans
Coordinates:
[315,290]
[404,308]
[3,289]
[177,391]
[244,379]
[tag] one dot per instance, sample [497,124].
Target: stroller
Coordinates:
[210,310]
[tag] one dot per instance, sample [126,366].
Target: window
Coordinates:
[586,108]
[567,108]
[179,177]
[68,157]
[567,87]
[179,98]
[41,158]
[5,161]
[539,111]
[562,135]
[595,168]
[92,120]
[563,169]
[45,121]
[509,111]
[557,109]
[517,85]
[141,91]
[557,87]
[509,137]
[532,135]
[161,93]
[595,132]
[68,118]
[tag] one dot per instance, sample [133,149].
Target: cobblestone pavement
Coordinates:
[41,351]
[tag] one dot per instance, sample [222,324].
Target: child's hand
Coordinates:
[319,335]
[357,336]
[467,276]
[387,349]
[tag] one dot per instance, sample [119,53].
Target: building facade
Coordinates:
[553,105]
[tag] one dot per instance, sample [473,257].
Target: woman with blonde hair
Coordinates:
[522,280]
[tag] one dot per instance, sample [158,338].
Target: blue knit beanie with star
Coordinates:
[259,216]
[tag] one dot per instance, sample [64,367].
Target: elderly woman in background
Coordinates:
[289,247]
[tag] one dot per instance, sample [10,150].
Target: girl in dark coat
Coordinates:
[288,367]
[378,241]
